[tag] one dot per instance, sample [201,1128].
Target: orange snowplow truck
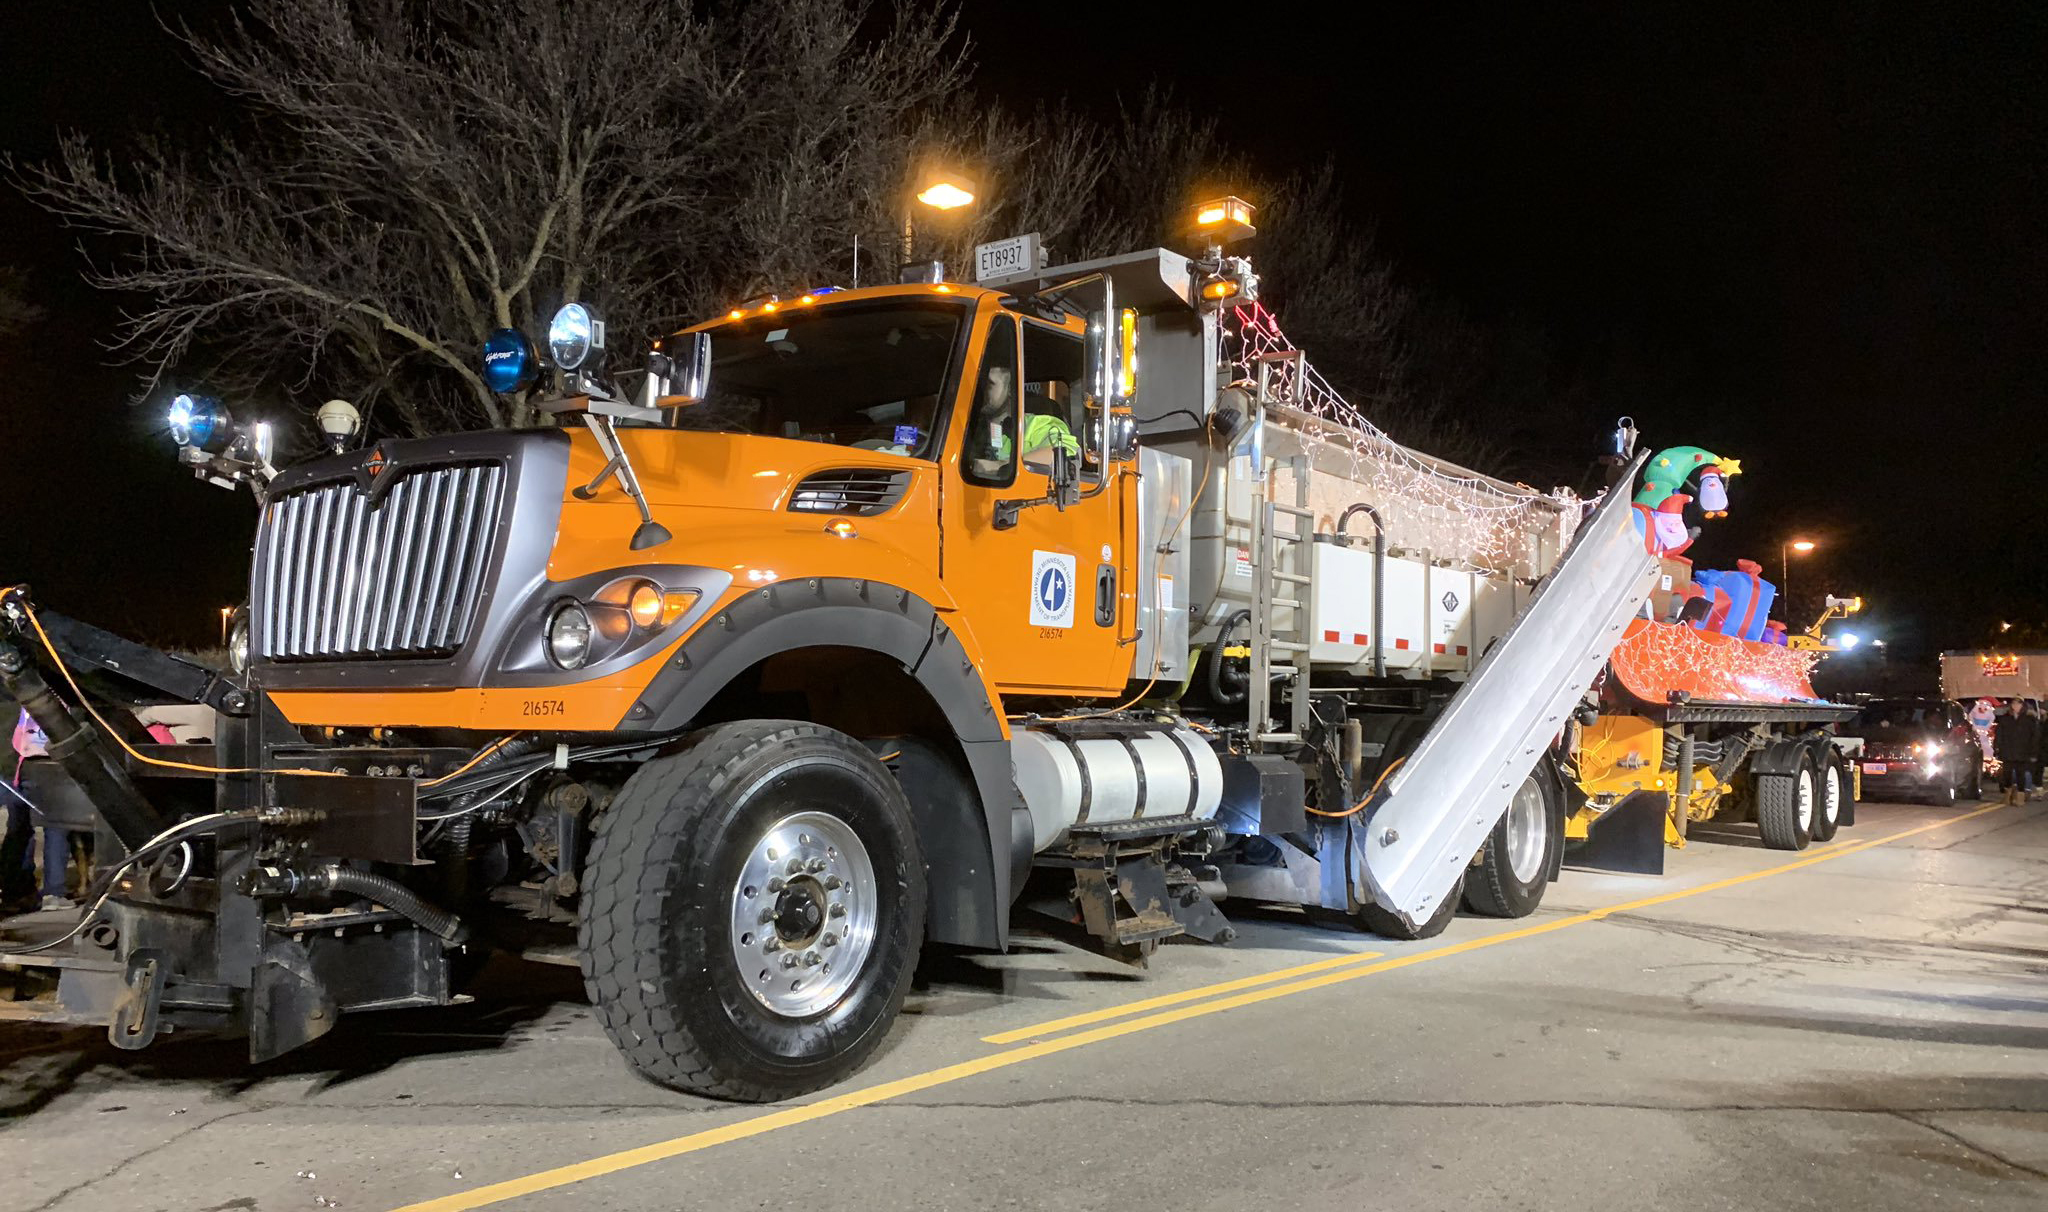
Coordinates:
[868,605]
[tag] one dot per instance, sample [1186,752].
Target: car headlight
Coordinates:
[576,338]
[568,635]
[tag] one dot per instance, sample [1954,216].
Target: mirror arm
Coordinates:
[649,533]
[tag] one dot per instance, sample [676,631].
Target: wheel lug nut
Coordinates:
[775,884]
[833,883]
[812,959]
[836,911]
[830,940]
[817,865]
[789,960]
[767,915]
[773,944]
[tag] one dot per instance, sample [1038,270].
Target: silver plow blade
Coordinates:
[1437,809]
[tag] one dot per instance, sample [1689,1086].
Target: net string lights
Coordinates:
[1463,518]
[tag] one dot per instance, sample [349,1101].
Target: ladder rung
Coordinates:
[1296,510]
[1287,645]
[1295,578]
[1288,738]
[1284,603]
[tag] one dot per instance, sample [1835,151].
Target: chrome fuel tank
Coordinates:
[1112,778]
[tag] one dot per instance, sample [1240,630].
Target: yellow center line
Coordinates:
[1175,999]
[627,1159]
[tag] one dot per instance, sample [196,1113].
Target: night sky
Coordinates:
[1812,237]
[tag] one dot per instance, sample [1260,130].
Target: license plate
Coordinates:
[1873,767]
[1018,254]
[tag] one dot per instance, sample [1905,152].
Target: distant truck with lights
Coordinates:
[872,614]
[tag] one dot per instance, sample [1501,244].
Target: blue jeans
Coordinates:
[56,859]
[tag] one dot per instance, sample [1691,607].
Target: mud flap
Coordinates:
[1628,837]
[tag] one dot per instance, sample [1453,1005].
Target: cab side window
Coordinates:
[1054,395]
[989,456]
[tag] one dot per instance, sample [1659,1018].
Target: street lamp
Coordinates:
[1785,550]
[941,189]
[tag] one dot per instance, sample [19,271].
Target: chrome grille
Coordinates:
[345,579]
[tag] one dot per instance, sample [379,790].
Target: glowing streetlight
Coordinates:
[1785,550]
[942,189]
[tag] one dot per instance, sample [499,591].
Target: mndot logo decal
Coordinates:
[1052,589]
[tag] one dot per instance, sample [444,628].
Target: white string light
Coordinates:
[1467,519]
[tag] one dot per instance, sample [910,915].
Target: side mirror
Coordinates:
[1104,369]
[681,370]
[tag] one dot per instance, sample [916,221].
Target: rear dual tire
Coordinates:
[1515,864]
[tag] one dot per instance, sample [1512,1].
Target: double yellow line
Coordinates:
[1245,991]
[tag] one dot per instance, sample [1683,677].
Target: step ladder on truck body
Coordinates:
[1282,560]
[1436,810]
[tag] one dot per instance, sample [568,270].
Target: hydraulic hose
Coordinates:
[391,894]
[1217,692]
[456,843]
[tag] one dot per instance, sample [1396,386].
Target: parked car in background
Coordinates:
[1919,749]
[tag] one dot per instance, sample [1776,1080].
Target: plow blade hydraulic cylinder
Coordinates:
[78,749]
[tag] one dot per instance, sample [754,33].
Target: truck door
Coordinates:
[1046,599]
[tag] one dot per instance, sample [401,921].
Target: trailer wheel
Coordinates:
[753,911]
[1831,789]
[1514,865]
[1371,917]
[1785,805]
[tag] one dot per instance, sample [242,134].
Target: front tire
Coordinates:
[1785,807]
[1514,866]
[781,844]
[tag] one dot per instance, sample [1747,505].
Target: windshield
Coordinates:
[1904,713]
[867,375]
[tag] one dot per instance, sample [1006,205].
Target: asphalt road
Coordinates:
[1862,1026]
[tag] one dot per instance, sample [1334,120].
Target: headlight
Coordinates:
[645,604]
[576,338]
[569,635]
[201,421]
[238,643]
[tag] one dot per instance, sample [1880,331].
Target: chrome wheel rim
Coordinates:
[1528,832]
[1805,794]
[1831,799]
[805,913]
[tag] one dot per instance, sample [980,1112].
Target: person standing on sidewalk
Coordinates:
[2017,744]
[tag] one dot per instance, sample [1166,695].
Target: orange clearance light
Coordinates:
[943,289]
[734,314]
[645,604]
[1225,219]
[769,306]
[841,528]
[675,605]
[1219,288]
[808,299]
